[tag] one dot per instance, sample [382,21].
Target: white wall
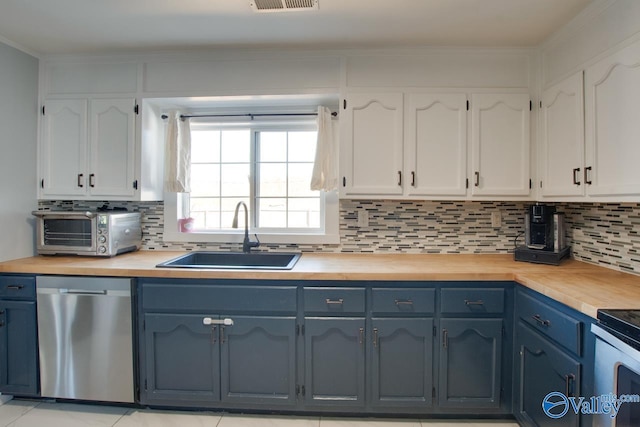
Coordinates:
[18,139]
[605,26]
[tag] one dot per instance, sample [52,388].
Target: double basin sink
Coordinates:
[234,260]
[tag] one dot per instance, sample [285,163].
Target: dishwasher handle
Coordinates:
[83,292]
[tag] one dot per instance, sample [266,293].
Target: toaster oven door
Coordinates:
[66,234]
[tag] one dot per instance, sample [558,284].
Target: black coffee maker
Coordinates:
[544,236]
[539,226]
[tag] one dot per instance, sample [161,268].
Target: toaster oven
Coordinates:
[87,233]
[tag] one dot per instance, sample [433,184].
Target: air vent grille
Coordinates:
[282,5]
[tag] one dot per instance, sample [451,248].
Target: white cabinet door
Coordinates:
[562,138]
[436,145]
[112,148]
[63,149]
[371,160]
[500,144]
[612,136]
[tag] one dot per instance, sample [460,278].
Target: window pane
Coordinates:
[236,146]
[302,146]
[272,213]
[273,180]
[300,180]
[304,213]
[222,175]
[205,146]
[273,146]
[205,180]
[235,180]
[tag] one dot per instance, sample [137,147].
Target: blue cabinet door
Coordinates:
[18,348]
[542,368]
[182,363]
[470,363]
[402,362]
[258,360]
[334,361]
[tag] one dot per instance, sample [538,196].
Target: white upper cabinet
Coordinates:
[612,134]
[436,144]
[430,158]
[371,153]
[112,148]
[500,144]
[63,149]
[562,139]
[88,149]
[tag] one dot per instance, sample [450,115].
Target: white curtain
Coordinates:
[325,168]
[177,166]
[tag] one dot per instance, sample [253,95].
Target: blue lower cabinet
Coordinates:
[542,368]
[182,363]
[258,360]
[470,363]
[18,348]
[401,363]
[334,372]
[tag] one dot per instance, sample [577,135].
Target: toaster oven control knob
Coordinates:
[102,249]
[102,239]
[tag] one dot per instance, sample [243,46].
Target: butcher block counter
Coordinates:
[579,285]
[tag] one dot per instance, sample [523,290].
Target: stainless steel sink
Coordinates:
[238,260]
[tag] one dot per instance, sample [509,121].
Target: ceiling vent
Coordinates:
[283,5]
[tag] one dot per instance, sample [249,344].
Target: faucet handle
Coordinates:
[255,243]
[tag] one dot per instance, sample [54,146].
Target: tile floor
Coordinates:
[25,413]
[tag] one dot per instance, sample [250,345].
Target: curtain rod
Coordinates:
[189,116]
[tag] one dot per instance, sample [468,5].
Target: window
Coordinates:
[266,165]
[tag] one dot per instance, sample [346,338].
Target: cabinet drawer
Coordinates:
[212,299]
[556,325]
[472,301]
[18,287]
[334,300]
[403,300]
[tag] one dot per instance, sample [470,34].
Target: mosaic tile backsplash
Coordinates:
[604,234]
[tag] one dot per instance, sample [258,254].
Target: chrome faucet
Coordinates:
[246,243]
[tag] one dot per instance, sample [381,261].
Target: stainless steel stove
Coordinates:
[617,364]
[623,324]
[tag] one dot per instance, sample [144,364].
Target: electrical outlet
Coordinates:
[363,218]
[496,219]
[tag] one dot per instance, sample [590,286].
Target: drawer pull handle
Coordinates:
[361,340]
[404,302]
[478,302]
[209,321]
[339,301]
[15,287]
[375,337]
[538,319]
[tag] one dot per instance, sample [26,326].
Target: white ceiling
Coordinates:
[101,26]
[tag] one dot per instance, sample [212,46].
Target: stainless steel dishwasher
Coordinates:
[85,338]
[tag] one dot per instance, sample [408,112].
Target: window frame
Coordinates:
[327,233]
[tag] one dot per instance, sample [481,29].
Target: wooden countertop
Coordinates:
[582,286]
